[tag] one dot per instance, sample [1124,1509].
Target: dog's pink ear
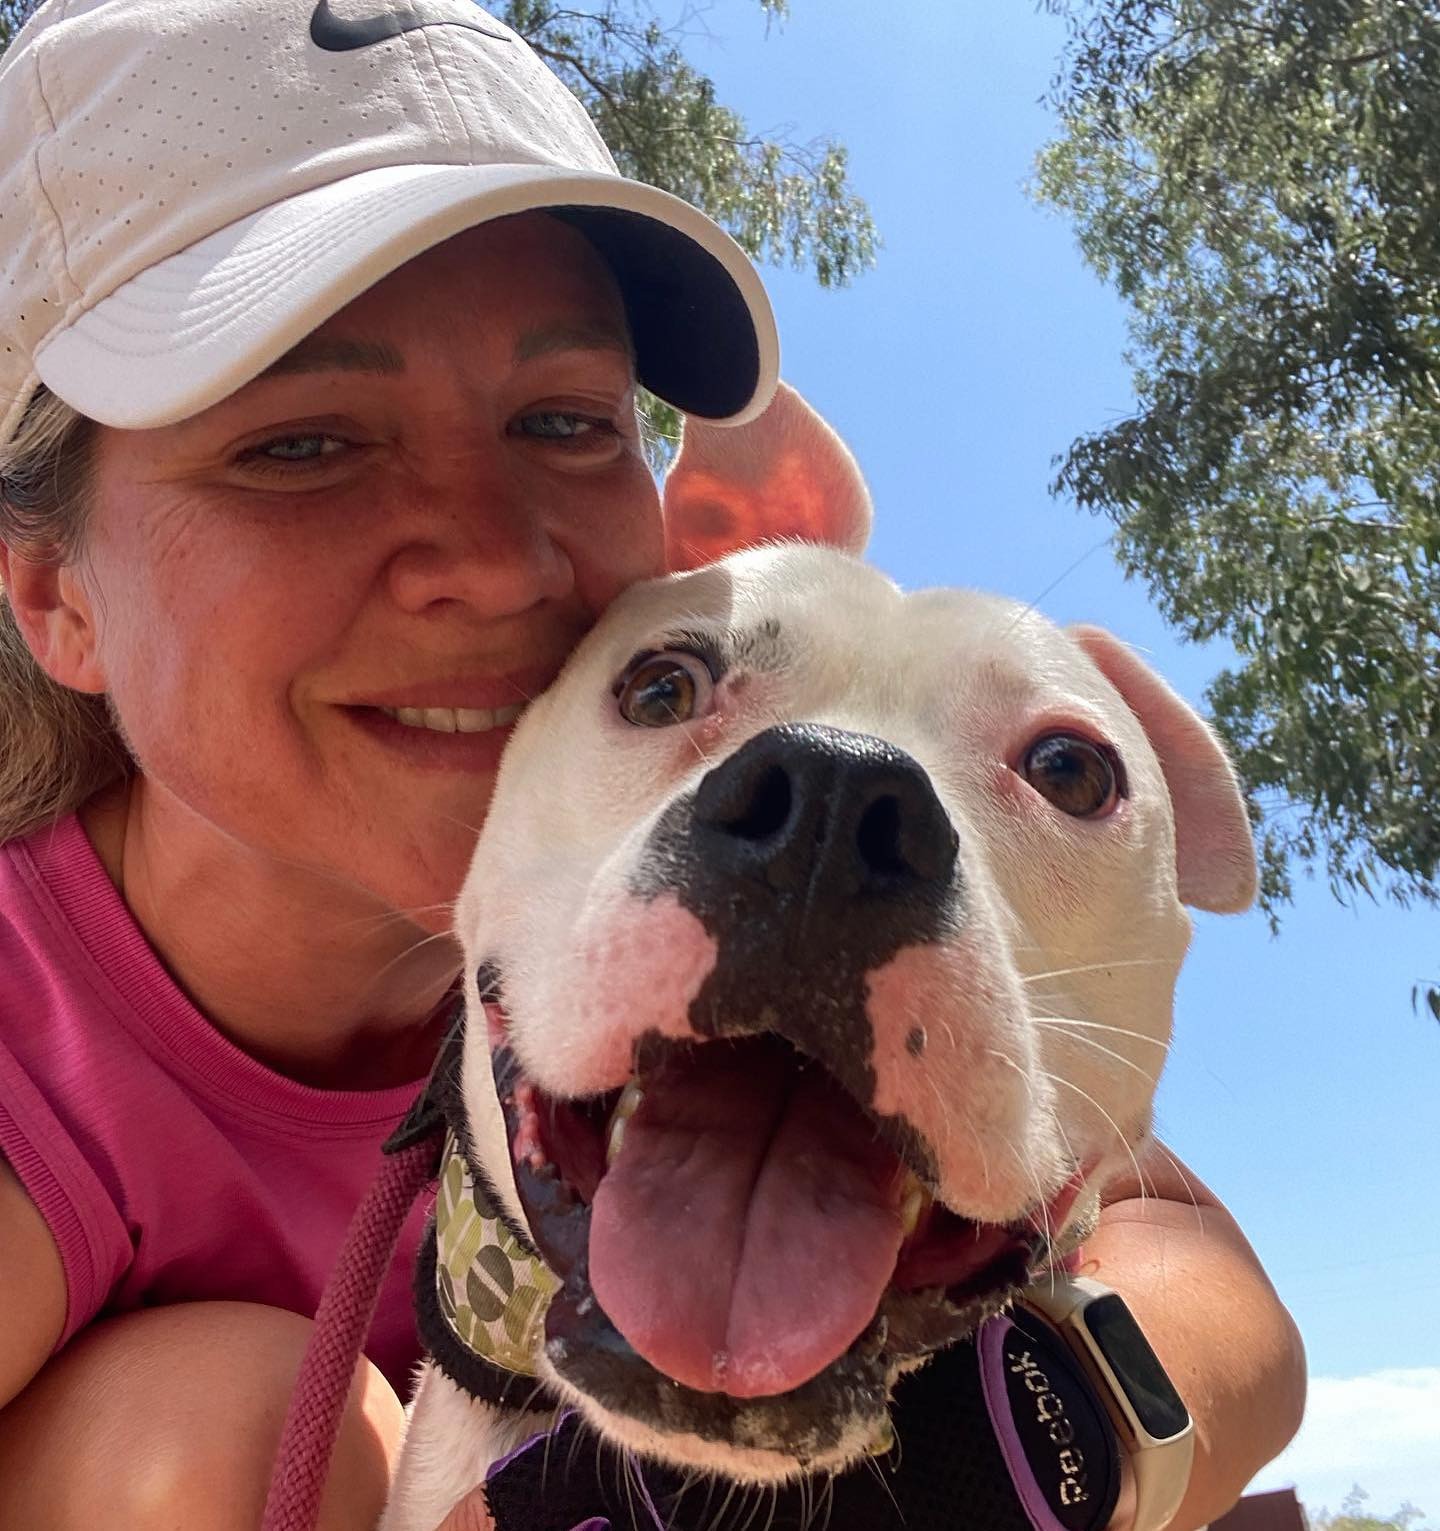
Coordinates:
[1214,849]
[784,475]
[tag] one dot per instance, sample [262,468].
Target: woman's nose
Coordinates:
[494,552]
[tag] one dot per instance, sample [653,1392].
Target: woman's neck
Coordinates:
[312,977]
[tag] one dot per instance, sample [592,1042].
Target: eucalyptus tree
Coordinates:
[1259,180]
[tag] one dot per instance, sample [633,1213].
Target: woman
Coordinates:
[320,336]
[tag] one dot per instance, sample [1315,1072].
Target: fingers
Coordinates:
[469,1515]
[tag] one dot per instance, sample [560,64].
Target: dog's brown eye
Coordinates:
[661,690]
[1079,777]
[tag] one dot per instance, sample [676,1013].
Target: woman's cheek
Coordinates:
[618,542]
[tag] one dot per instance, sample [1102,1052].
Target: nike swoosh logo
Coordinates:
[338,34]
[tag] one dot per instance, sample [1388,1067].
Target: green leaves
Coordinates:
[1260,180]
[782,201]
[12,17]
[1353,1516]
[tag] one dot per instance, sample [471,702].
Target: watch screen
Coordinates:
[1123,1344]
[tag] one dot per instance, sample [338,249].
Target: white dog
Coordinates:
[822,940]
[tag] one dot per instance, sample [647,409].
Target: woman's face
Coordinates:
[417,511]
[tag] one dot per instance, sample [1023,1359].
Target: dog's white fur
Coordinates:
[1048,1011]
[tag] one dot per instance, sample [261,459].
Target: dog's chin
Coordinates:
[938,1278]
[824,1425]
[853,1437]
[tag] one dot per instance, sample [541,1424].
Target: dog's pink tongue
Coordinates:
[743,1238]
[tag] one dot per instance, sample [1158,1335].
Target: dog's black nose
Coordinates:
[806,808]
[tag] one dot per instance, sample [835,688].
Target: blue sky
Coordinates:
[1301,1086]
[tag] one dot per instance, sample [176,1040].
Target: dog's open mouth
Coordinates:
[744,1226]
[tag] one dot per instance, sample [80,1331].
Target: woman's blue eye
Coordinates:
[298,448]
[560,424]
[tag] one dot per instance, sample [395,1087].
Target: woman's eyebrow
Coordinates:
[594,335]
[323,354]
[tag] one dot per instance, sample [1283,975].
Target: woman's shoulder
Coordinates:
[54,896]
[48,1033]
[54,899]
[167,1163]
[70,954]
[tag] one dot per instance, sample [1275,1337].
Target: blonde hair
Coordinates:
[57,746]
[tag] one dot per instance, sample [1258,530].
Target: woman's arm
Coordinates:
[1232,1350]
[32,1287]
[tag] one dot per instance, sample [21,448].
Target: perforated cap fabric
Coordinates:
[188,187]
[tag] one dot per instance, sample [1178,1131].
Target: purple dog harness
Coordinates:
[999,1432]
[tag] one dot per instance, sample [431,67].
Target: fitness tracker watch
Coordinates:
[1151,1421]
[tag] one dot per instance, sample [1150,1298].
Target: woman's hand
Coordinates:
[1231,1348]
[469,1515]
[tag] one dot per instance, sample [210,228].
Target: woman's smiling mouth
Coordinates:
[455,720]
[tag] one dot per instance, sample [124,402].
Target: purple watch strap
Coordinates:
[1057,1442]
[991,1352]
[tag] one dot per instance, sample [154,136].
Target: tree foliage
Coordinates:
[1354,1517]
[12,14]
[782,201]
[1260,182]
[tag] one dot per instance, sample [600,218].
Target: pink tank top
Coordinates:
[169,1165]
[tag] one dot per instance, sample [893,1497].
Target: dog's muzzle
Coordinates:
[811,857]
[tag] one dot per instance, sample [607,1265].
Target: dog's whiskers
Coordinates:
[774,1514]
[1119,1031]
[410,951]
[465,824]
[827,1494]
[980,1153]
[1064,574]
[757,1499]
[575,1442]
[631,1479]
[1028,1172]
[1062,1024]
[1093,967]
[1115,1126]
[1065,1139]
[944,1121]
[724,1509]
[1179,1169]
[393,916]
[882,1480]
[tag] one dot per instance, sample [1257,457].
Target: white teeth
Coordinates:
[455,720]
[625,1108]
[914,1202]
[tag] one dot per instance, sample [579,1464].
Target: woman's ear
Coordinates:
[784,475]
[55,617]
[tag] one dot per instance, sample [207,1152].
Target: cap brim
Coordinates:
[196,326]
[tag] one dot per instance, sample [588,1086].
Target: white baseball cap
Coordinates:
[189,187]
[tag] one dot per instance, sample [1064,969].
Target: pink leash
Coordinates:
[341,1323]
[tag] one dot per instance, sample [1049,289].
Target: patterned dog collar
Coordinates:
[492,1293]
